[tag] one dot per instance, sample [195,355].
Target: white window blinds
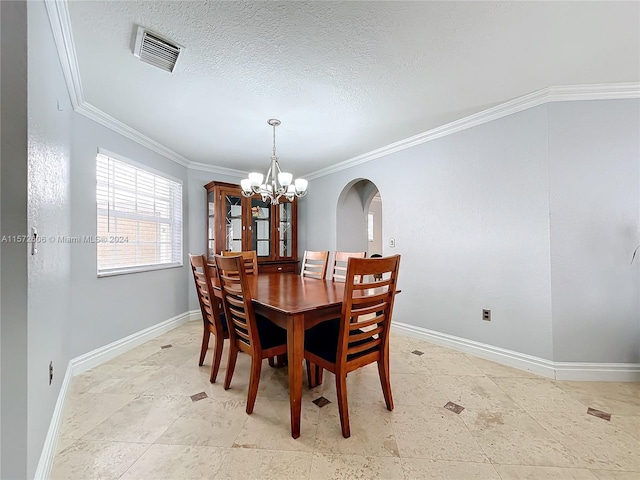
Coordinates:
[139,218]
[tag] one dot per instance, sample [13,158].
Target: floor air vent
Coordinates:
[151,48]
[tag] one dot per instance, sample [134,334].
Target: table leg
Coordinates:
[295,352]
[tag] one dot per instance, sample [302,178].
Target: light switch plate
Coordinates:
[392,242]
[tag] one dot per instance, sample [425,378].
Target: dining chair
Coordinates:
[248,332]
[361,335]
[314,264]
[213,319]
[339,264]
[250,260]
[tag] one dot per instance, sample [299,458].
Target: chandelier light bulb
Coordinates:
[301,186]
[245,183]
[285,179]
[255,178]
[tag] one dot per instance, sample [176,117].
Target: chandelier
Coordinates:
[276,184]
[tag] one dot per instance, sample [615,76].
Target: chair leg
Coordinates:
[311,373]
[281,361]
[254,381]
[231,365]
[341,390]
[319,371]
[272,361]
[217,357]
[205,345]
[385,381]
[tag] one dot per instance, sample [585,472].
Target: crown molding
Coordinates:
[123,129]
[565,93]
[61,26]
[205,167]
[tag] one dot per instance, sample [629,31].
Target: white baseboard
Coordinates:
[43,470]
[598,372]
[594,372]
[103,354]
[88,361]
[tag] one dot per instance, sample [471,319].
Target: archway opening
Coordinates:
[359,218]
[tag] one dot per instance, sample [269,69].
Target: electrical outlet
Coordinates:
[50,372]
[486,315]
[392,242]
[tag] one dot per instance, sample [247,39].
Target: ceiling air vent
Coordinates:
[155,50]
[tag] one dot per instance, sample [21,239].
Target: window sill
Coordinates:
[138,269]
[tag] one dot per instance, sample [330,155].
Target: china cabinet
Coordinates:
[236,223]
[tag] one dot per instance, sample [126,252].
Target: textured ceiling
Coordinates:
[344,78]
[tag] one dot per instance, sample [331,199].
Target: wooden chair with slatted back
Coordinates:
[361,335]
[213,319]
[249,333]
[314,264]
[250,260]
[338,274]
[339,264]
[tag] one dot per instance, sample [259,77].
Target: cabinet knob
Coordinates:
[279,268]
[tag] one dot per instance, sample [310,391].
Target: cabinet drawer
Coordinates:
[278,268]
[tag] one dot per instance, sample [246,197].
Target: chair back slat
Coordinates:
[353,339]
[365,346]
[314,264]
[357,324]
[204,288]
[250,258]
[339,265]
[366,309]
[236,299]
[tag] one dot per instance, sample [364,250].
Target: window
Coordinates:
[139,218]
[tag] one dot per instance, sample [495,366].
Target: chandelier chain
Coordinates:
[274,140]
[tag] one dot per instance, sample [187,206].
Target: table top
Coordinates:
[290,293]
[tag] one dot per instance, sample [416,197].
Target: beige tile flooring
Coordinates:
[133,418]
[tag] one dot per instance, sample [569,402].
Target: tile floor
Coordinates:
[133,418]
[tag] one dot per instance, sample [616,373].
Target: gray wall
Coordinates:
[475,236]
[13,256]
[594,158]
[351,222]
[479,235]
[110,308]
[48,210]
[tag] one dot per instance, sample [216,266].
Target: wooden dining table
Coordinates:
[295,303]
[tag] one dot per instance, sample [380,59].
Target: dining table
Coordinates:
[296,304]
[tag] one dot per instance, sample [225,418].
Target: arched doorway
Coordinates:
[359,218]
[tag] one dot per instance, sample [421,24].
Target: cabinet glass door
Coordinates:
[261,227]
[285,230]
[211,237]
[233,222]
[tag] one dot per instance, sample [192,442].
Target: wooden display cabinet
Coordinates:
[236,223]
